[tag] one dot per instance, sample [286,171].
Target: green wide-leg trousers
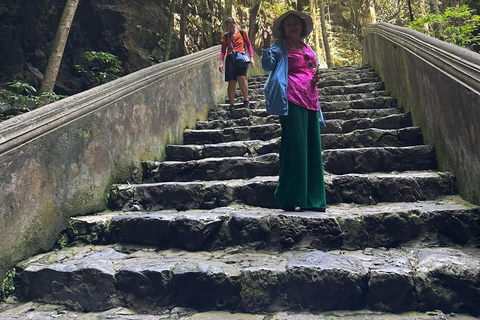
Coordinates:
[300,183]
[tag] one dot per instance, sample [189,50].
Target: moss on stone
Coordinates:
[256,289]
[8,284]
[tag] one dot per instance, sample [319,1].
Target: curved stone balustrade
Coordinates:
[59,160]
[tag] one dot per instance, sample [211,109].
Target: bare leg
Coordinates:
[243,85]
[231,91]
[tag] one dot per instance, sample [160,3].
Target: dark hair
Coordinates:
[281,28]
[229,19]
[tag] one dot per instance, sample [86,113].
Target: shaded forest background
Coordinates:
[137,31]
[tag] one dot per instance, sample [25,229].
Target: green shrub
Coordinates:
[458,26]
[22,97]
[8,285]
[100,67]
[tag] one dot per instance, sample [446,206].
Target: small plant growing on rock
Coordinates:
[8,285]
[100,67]
[21,97]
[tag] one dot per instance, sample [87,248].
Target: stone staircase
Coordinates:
[202,231]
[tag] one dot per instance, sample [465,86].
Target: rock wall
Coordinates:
[134,30]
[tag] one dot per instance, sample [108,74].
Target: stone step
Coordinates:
[395,121]
[222,115]
[359,88]
[251,148]
[358,188]
[345,81]
[444,221]
[350,114]
[333,87]
[224,168]
[338,161]
[240,122]
[228,149]
[260,132]
[37,310]
[352,96]
[367,103]
[371,137]
[94,278]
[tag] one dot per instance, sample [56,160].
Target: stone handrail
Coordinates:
[60,160]
[439,83]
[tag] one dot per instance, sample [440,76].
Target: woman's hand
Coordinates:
[267,36]
[220,66]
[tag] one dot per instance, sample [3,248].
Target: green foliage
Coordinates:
[100,67]
[20,94]
[456,25]
[22,98]
[8,285]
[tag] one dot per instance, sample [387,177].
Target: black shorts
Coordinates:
[231,71]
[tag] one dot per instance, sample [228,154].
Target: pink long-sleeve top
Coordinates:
[238,42]
[302,89]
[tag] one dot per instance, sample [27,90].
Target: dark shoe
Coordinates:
[314,209]
[231,107]
[288,208]
[246,104]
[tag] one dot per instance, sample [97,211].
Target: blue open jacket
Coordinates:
[275,60]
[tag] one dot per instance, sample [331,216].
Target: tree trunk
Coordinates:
[437,28]
[300,4]
[58,46]
[252,23]
[229,8]
[434,7]
[410,10]
[326,45]
[373,13]
[313,14]
[168,40]
[183,27]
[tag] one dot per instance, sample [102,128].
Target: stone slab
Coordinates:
[444,221]
[258,281]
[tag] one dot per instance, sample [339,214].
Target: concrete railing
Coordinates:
[439,84]
[60,160]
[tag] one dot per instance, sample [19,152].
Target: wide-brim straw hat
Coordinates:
[308,23]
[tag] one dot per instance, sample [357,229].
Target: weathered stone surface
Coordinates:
[214,169]
[227,149]
[80,284]
[260,132]
[258,281]
[365,103]
[359,88]
[444,281]
[373,138]
[352,96]
[348,81]
[13,309]
[326,281]
[445,221]
[353,160]
[361,113]
[245,121]
[357,188]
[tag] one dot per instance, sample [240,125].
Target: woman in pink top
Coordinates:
[236,39]
[291,92]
